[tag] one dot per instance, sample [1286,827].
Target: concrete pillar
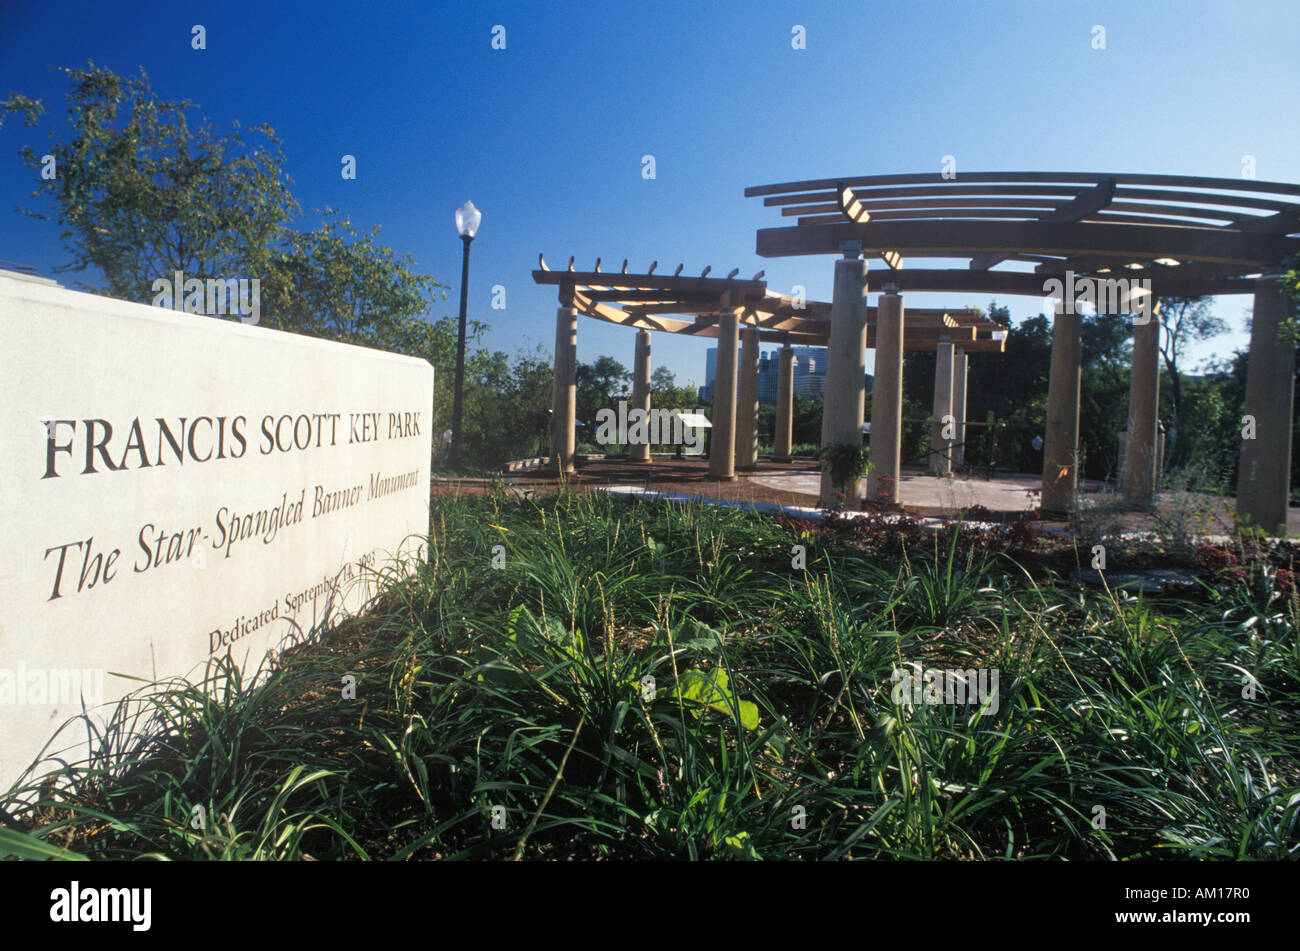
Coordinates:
[941,442]
[722,445]
[846,369]
[747,401]
[959,404]
[1138,481]
[1061,441]
[782,444]
[564,399]
[640,452]
[1264,480]
[887,401]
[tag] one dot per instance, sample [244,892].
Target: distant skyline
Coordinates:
[548,135]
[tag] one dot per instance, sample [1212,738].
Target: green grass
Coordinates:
[520,692]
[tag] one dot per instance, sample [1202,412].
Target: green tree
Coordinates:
[666,394]
[507,407]
[340,283]
[600,385]
[1184,320]
[1106,360]
[807,420]
[1000,314]
[142,189]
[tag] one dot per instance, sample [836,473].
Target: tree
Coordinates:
[339,283]
[1184,320]
[599,385]
[142,192]
[1106,360]
[666,394]
[1012,387]
[806,422]
[507,407]
[143,189]
[1000,314]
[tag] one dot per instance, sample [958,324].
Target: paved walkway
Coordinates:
[919,490]
[921,494]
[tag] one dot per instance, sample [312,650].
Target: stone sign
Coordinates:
[174,487]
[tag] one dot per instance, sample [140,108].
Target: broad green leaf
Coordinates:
[24,846]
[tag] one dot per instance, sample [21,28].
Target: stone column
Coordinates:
[1138,481]
[722,445]
[959,404]
[564,399]
[1061,441]
[782,444]
[747,401]
[940,444]
[640,452]
[846,368]
[887,400]
[1264,480]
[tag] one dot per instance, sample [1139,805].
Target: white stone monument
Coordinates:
[175,486]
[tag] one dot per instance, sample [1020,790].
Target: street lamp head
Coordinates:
[467,219]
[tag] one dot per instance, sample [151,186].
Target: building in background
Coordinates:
[809,373]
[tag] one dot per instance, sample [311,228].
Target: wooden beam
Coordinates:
[1284,222]
[956,239]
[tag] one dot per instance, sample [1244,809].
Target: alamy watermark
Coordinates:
[63,686]
[656,427]
[78,903]
[1106,295]
[976,687]
[215,297]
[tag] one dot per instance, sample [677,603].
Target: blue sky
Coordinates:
[547,135]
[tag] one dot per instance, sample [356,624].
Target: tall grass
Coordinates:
[648,680]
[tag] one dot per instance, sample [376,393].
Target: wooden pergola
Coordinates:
[1125,240]
[735,312]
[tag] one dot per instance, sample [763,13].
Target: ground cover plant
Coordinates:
[575,676]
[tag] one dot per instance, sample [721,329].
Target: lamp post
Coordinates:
[467,222]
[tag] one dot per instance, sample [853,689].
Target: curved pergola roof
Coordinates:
[1188,236]
[646,301]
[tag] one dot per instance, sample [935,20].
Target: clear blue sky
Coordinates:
[546,136]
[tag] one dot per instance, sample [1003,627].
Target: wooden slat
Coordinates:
[1203,199]
[711,307]
[971,214]
[1087,202]
[1047,192]
[652,281]
[850,207]
[1106,216]
[651,296]
[1080,178]
[902,204]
